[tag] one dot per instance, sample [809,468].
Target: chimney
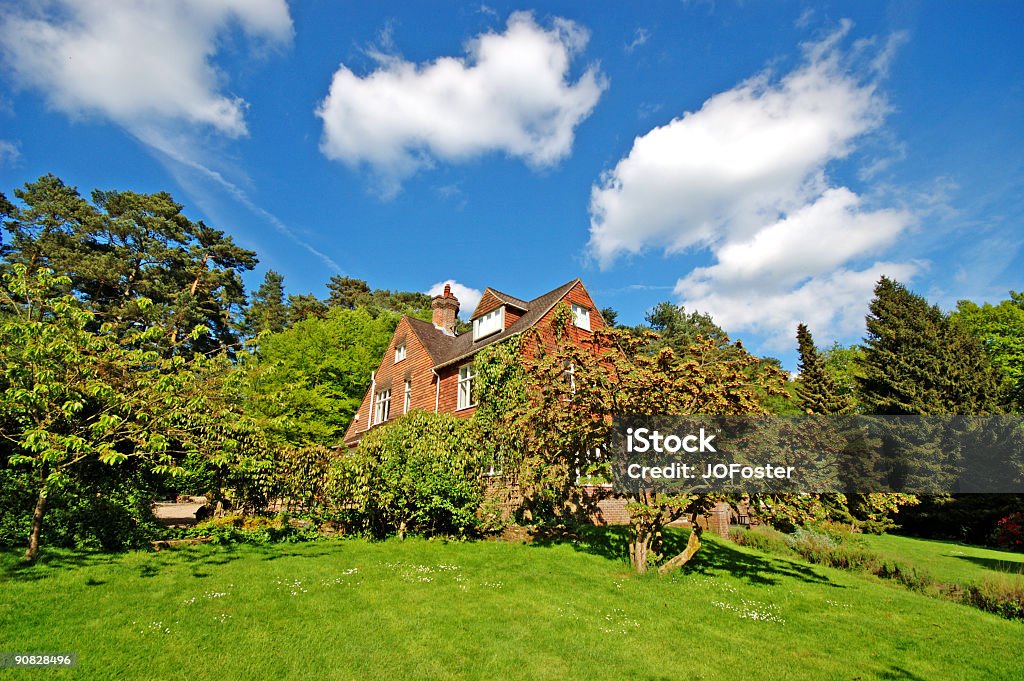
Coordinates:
[446,309]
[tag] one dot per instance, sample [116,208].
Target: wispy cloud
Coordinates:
[640,37]
[9,153]
[147,67]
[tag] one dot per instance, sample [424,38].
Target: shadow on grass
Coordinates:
[1016,568]
[51,562]
[715,555]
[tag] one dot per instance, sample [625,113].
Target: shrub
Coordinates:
[1009,532]
[420,473]
[1004,598]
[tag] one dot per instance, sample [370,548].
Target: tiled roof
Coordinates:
[510,300]
[450,350]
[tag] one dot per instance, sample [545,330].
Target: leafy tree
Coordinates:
[419,473]
[844,364]
[1000,328]
[816,388]
[306,382]
[267,312]
[571,391]
[72,398]
[125,247]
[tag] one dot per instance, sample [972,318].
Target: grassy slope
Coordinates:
[419,609]
[949,561]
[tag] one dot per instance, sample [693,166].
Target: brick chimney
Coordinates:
[446,309]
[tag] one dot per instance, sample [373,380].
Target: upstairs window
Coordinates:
[581,316]
[492,322]
[466,396]
[383,409]
[399,353]
[407,403]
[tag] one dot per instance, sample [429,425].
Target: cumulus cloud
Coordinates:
[511,93]
[745,178]
[468,297]
[137,61]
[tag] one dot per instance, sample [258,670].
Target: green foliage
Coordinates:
[267,312]
[1000,329]
[305,306]
[844,364]
[418,474]
[305,383]
[74,400]
[133,260]
[816,388]
[916,361]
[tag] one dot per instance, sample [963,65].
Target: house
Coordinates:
[428,366]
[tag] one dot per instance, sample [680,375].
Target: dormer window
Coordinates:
[492,322]
[581,316]
[399,352]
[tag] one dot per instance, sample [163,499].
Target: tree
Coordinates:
[306,382]
[1000,329]
[71,396]
[346,292]
[267,312]
[916,361]
[125,247]
[816,389]
[305,306]
[571,392]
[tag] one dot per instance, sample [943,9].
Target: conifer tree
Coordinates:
[816,388]
[268,310]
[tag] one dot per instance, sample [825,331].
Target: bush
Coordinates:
[1009,532]
[1005,599]
[253,529]
[420,473]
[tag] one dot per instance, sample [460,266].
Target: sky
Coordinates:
[762,162]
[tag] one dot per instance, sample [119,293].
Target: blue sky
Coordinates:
[764,162]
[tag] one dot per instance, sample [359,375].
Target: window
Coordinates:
[399,353]
[581,316]
[407,404]
[466,387]
[492,322]
[383,409]
[570,373]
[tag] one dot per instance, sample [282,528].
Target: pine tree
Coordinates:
[816,388]
[268,310]
[917,362]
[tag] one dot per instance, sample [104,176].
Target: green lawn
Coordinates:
[949,561]
[429,609]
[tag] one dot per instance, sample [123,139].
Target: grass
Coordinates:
[950,561]
[430,609]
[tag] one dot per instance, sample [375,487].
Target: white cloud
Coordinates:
[468,297]
[745,178]
[9,153]
[510,94]
[137,62]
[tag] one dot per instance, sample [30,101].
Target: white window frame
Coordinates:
[382,407]
[580,316]
[490,323]
[466,392]
[407,401]
[399,353]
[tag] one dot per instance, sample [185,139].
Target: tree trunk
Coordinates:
[640,547]
[37,527]
[692,544]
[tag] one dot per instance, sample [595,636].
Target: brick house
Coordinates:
[428,366]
